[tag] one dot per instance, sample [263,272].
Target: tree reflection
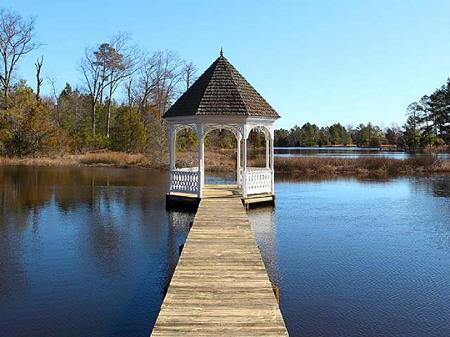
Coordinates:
[101,196]
[66,232]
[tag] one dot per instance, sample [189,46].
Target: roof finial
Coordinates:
[221,52]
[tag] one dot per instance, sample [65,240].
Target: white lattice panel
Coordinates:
[184,180]
[258,180]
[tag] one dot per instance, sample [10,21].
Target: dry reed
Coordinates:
[376,167]
[225,161]
[117,159]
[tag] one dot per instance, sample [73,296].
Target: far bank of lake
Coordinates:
[315,162]
[349,152]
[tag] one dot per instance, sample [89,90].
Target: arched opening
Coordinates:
[220,156]
[257,170]
[258,155]
[186,147]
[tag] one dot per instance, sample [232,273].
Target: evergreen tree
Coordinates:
[128,132]
[310,135]
[281,137]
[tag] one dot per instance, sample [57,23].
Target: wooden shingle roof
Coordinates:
[221,90]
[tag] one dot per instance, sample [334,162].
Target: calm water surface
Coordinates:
[84,251]
[87,252]
[360,258]
[348,152]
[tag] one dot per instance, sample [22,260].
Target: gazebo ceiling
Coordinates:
[221,91]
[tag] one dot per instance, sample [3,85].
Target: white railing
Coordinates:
[184,180]
[257,180]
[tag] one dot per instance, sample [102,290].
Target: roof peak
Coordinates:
[221,91]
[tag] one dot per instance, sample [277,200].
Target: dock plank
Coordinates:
[220,286]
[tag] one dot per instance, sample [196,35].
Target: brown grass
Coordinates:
[218,160]
[314,167]
[116,159]
[374,167]
[119,159]
[225,161]
[38,161]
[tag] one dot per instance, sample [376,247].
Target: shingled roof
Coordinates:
[221,90]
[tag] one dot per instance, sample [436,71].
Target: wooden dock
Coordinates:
[220,286]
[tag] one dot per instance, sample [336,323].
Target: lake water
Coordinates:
[84,251]
[88,251]
[356,258]
[348,152]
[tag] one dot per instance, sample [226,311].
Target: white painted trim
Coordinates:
[241,127]
[220,119]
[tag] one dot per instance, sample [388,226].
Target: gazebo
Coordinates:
[221,98]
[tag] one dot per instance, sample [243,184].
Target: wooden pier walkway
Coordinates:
[220,286]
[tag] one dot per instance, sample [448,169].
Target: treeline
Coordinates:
[366,135]
[428,121]
[118,105]
[427,127]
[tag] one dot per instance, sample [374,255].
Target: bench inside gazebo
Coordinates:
[221,98]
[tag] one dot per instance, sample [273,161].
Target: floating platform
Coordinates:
[191,201]
[220,286]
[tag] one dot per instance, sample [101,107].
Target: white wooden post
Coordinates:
[172,147]
[244,173]
[238,160]
[201,166]
[272,167]
[267,138]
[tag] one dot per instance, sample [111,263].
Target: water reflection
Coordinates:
[349,152]
[84,251]
[360,258]
[438,186]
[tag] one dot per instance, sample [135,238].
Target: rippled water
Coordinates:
[359,258]
[84,251]
[88,251]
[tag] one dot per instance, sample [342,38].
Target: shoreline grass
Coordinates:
[361,167]
[225,161]
[109,159]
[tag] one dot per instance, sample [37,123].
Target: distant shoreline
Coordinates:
[224,161]
[384,148]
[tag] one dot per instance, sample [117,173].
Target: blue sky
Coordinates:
[317,61]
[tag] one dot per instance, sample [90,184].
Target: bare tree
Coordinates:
[104,69]
[94,78]
[122,62]
[52,81]
[189,74]
[168,75]
[129,90]
[39,79]
[16,35]
[145,84]
[157,138]
[161,77]
[158,81]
